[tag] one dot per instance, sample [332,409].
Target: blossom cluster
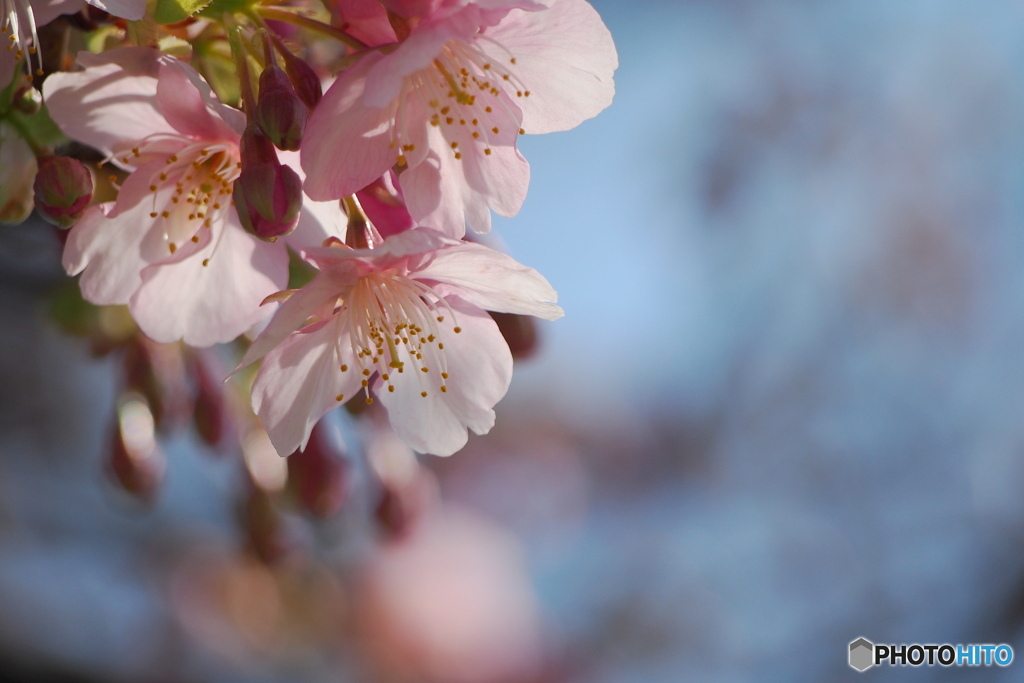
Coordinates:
[307,177]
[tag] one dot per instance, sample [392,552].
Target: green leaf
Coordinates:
[173,11]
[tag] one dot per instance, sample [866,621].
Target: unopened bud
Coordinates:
[303,78]
[280,112]
[135,457]
[211,414]
[266,534]
[267,194]
[63,190]
[319,474]
[519,331]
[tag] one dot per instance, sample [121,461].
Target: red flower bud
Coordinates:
[267,194]
[519,331]
[319,474]
[303,78]
[280,112]
[135,457]
[212,415]
[63,190]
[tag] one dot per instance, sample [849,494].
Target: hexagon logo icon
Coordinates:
[862,654]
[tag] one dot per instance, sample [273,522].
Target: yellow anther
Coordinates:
[172,247]
[339,398]
[457,329]
[444,389]
[423,394]
[444,375]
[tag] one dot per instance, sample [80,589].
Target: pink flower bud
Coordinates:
[211,414]
[303,78]
[319,474]
[63,190]
[280,112]
[519,331]
[136,460]
[266,534]
[267,194]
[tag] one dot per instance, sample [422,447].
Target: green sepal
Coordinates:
[173,11]
[38,129]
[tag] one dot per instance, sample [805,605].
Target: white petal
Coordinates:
[204,305]
[298,382]
[479,367]
[493,280]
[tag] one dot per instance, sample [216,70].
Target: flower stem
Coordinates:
[276,14]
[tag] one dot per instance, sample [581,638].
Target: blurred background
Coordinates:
[783,411]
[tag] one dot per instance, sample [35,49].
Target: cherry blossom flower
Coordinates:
[445,106]
[406,320]
[171,246]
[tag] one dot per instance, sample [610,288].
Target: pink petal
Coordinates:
[479,366]
[493,281]
[117,89]
[299,381]
[393,251]
[204,305]
[293,313]
[126,9]
[565,56]
[109,252]
[188,104]
[46,11]
[365,20]
[416,52]
[346,146]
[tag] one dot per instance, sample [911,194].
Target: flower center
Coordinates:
[467,95]
[191,190]
[392,321]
